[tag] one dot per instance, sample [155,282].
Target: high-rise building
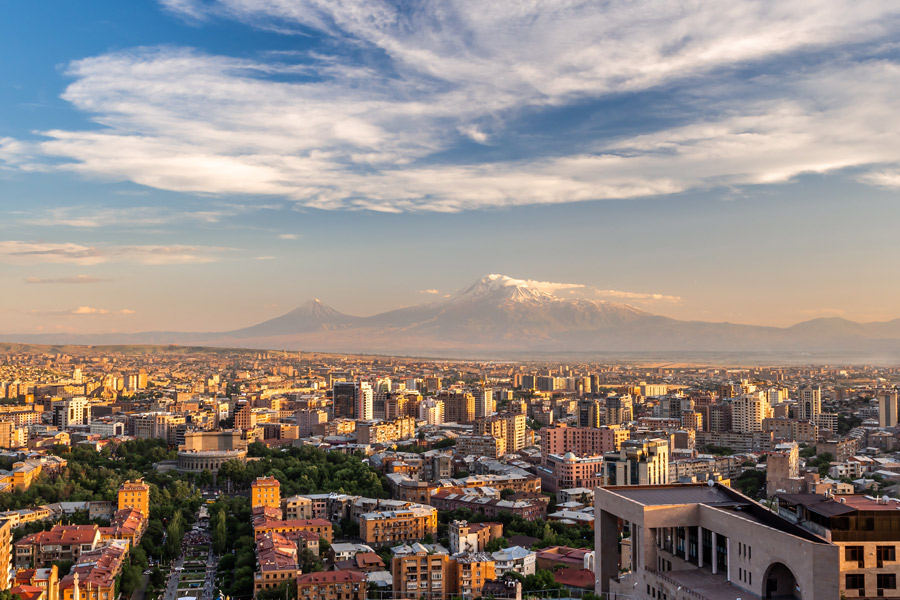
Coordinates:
[618,409]
[809,403]
[887,409]
[353,400]
[589,413]
[638,462]
[459,407]
[431,411]
[485,406]
[510,427]
[71,411]
[748,412]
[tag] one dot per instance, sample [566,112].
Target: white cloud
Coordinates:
[637,296]
[886,179]
[289,236]
[356,136]
[28,252]
[93,217]
[430,291]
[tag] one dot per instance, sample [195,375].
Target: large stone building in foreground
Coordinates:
[705,541]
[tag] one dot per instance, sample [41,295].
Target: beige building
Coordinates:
[748,412]
[383,432]
[701,541]
[481,445]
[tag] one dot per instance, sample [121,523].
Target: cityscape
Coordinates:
[449,300]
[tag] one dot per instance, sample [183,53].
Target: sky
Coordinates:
[203,165]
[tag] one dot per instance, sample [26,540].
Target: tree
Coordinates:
[219,532]
[496,544]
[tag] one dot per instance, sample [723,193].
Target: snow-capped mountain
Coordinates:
[498,315]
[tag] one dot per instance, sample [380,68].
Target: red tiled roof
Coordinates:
[332,577]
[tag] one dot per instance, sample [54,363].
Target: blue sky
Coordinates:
[206,164]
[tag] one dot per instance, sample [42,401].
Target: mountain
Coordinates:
[312,316]
[502,316]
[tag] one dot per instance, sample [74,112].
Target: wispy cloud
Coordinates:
[84,311]
[289,236]
[430,291]
[637,296]
[76,279]
[30,252]
[93,217]
[333,133]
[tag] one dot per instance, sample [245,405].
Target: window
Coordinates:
[854,554]
[887,581]
[855,581]
[886,553]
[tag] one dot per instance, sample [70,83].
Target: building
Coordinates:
[472,537]
[277,560]
[383,432]
[700,541]
[582,441]
[469,572]
[485,405]
[61,543]
[590,413]
[332,585]
[887,409]
[530,509]
[353,400]
[421,574]
[748,412]
[619,409]
[865,530]
[6,552]
[244,417]
[392,527]
[516,559]
[809,403]
[431,411]
[638,462]
[509,427]
[783,469]
[95,575]
[481,445]
[208,450]
[265,491]
[135,495]
[459,406]
[71,411]
[568,471]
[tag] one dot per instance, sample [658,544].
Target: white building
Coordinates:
[515,558]
[431,411]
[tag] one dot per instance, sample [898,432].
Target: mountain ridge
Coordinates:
[499,314]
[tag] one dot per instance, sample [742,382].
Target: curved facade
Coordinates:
[198,460]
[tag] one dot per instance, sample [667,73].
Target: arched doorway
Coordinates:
[780,583]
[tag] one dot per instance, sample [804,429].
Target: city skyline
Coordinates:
[184,165]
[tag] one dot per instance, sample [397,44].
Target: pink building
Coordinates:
[560,472]
[581,441]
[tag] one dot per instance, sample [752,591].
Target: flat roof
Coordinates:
[665,495]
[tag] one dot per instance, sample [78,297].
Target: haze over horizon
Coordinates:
[207,165]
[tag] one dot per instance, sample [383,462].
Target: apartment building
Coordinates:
[135,495]
[277,560]
[61,543]
[421,574]
[472,537]
[383,432]
[582,441]
[470,571]
[866,532]
[510,427]
[481,445]
[568,471]
[265,491]
[638,462]
[332,585]
[391,527]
